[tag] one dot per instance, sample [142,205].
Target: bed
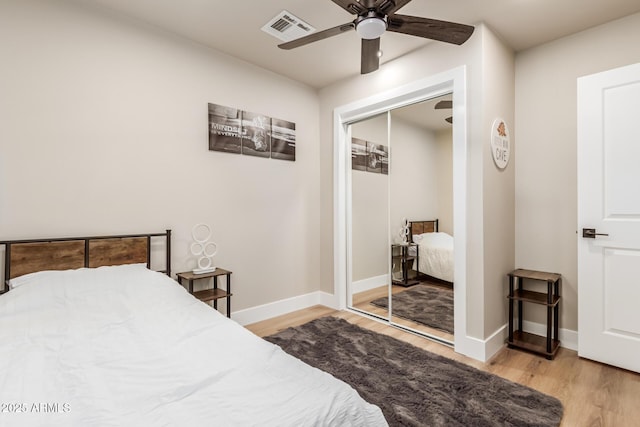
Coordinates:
[435,250]
[91,335]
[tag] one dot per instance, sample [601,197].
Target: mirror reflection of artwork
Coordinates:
[376,157]
[384,161]
[225,129]
[256,134]
[283,140]
[358,154]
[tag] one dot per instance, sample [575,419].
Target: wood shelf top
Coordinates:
[189,275]
[409,282]
[407,258]
[535,275]
[211,294]
[534,343]
[534,297]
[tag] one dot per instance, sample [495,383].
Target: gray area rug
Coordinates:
[426,304]
[412,386]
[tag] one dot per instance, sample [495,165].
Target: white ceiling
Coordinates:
[234,27]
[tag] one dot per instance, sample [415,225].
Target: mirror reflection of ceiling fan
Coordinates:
[445,104]
[374,17]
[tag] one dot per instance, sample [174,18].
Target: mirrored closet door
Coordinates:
[421,192]
[370,215]
[402,217]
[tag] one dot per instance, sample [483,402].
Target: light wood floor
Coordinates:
[592,394]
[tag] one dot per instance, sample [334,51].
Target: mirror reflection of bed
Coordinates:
[425,304]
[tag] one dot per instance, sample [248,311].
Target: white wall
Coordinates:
[444,140]
[498,186]
[415,187]
[546,154]
[104,130]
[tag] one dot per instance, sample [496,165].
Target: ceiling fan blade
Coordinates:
[320,35]
[444,104]
[444,31]
[449,120]
[370,55]
[351,6]
[387,7]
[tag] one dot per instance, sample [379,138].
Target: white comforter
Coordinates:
[436,255]
[124,346]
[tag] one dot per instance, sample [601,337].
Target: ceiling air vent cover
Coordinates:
[287,27]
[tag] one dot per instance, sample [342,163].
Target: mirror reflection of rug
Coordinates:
[430,305]
[412,386]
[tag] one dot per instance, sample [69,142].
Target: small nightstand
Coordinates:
[402,257]
[545,345]
[211,294]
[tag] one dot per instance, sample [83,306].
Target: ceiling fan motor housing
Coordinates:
[371,26]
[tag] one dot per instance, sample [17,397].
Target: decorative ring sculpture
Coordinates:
[203,248]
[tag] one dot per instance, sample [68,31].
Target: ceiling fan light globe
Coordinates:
[371,28]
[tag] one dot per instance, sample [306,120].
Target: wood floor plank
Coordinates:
[592,394]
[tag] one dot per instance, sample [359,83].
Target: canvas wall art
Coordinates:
[225,124]
[283,140]
[243,132]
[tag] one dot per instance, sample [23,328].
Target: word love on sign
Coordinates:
[500,143]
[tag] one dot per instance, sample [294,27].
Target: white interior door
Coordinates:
[609,203]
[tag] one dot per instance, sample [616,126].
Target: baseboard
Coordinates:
[278,308]
[568,338]
[478,349]
[495,342]
[482,350]
[369,283]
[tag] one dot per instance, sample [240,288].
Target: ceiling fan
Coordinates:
[374,17]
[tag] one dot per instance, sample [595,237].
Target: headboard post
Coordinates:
[168,253]
[86,252]
[7,265]
[149,252]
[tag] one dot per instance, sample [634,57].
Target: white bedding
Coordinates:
[436,255]
[124,346]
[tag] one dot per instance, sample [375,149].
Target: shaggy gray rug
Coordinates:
[412,386]
[426,304]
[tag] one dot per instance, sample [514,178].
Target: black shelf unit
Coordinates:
[402,257]
[544,345]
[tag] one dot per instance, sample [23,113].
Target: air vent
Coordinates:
[287,27]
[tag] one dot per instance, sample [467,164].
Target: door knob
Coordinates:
[590,233]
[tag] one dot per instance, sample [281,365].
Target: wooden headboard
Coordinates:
[421,227]
[29,256]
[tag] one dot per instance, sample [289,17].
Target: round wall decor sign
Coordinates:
[500,143]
